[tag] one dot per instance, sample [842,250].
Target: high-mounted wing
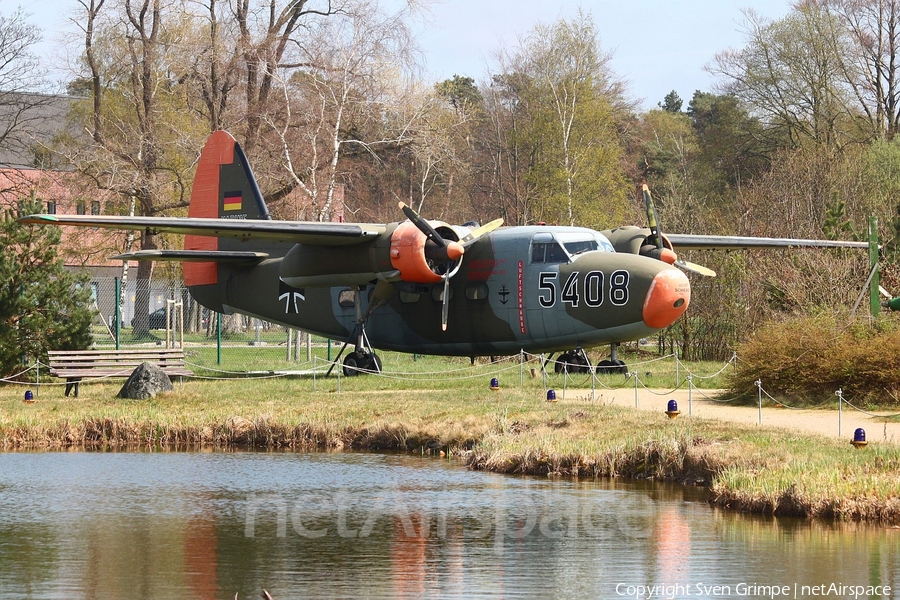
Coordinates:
[299,232]
[732,242]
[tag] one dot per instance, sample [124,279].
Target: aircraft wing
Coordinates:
[301,232]
[731,242]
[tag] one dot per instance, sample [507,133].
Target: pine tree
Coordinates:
[42,305]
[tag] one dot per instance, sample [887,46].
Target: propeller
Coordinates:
[448,251]
[658,250]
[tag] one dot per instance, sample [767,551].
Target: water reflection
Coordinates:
[209,525]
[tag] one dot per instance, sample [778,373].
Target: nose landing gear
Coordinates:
[613,364]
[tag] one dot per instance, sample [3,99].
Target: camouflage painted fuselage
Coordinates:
[503,299]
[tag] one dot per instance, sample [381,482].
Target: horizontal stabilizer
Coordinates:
[218,256]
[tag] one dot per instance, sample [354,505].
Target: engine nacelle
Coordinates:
[402,253]
[632,239]
[418,259]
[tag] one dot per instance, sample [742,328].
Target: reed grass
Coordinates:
[513,430]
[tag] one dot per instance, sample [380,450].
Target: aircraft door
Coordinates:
[541,285]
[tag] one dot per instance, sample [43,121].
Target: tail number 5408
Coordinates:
[591,289]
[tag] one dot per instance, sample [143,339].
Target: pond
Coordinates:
[159,524]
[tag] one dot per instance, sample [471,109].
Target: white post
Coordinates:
[690,379]
[758,383]
[634,374]
[840,395]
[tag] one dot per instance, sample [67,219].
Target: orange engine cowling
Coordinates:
[408,253]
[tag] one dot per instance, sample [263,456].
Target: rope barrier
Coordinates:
[503,365]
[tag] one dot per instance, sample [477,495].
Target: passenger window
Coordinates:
[477,291]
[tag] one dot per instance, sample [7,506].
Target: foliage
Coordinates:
[672,102]
[42,306]
[805,359]
[791,74]
[563,104]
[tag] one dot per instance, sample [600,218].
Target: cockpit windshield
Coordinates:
[562,247]
[581,242]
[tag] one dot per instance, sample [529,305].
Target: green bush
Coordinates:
[807,359]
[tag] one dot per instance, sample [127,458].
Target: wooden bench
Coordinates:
[75,365]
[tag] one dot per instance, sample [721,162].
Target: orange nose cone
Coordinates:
[454,250]
[667,299]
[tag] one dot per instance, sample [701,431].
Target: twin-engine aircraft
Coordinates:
[422,286]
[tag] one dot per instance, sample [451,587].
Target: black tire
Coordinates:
[351,365]
[608,367]
[371,364]
[563,363]
[572,362]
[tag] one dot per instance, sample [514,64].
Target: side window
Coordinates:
[537,252]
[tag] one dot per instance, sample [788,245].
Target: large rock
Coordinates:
[146,381]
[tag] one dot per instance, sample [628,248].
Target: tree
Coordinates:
[872,58]
[672,102]
[567,105]
[792,76]
[25,115]
[730,151]
[42,305]
[341,93]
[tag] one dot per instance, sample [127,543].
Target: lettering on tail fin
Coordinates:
[224,188]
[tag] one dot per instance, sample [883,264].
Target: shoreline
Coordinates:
[764,469]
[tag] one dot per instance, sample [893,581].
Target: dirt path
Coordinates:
[703,404]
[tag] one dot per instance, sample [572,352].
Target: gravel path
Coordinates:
[704,404]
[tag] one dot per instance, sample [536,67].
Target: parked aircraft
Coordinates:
[423,286]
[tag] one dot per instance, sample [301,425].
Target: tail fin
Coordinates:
[224,187]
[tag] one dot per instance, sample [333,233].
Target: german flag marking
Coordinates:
[233,201]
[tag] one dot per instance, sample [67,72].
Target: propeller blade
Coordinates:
[695,268]
[652,221]
[422,224]
[445,303]
[662,253]
[478,232]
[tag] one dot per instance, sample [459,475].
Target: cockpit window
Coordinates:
[565,245]
[548,252]
[578,247]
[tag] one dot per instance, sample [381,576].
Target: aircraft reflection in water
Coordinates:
[424,286]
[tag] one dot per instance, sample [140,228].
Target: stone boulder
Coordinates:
[146,381]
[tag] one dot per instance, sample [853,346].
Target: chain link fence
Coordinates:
[212,342]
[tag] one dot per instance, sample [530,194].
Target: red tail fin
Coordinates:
[224,187]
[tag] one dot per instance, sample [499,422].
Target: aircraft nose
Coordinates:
[667,298]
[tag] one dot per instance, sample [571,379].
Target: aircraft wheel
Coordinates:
[607,367]
[372,363]
[351,365]
[571,362]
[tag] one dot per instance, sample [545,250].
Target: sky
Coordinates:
[657,45]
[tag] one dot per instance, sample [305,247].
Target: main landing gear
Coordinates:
[573,361]
[363,358]
[576,361]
